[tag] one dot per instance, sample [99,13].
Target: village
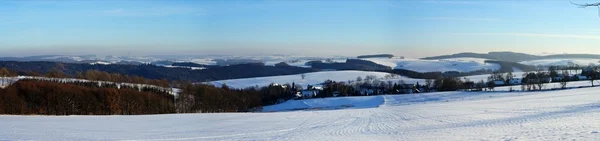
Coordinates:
[529,81]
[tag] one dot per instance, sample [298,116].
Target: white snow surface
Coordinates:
[317,78]
[314,78]
[454,64]
[327,103]
[561,62]
[549,115]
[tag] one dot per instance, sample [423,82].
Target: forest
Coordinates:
[151,71]
[31,97]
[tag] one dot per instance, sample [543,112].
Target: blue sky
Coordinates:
[405,28]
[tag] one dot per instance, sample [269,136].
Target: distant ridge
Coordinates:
[375,56]
[512,56]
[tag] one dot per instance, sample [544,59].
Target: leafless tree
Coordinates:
[588,5]
[564,80]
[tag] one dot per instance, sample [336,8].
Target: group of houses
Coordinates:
[558,77]
[313,91]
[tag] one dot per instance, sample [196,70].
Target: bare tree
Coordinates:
[428,83]
[564,79]
[359,79]
[588,5]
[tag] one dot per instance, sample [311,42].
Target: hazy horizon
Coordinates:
[313,28]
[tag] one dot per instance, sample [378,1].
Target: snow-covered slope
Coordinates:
[309,79]
[561,62]
[552,115]
[455,64]
[327,103]
[339,76]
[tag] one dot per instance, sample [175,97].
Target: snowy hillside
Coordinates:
[327,103]
[310,79]
[455,64]
[552,115]
[316,78]
[561,62]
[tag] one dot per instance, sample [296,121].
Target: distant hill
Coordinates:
[558,56]
[512,56]
[158,72]
[376,56]
[350,64]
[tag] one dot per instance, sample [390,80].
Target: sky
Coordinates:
[408,28]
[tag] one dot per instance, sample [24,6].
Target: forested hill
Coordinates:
[157,72]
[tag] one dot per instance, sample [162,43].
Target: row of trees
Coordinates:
[52,98]
[210,99]
[90,98]
[537,80]
[95,75]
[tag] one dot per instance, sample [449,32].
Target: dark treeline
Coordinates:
[211,99]
[436,75]
[94,75]
[32,97]
[504,67]
[157,72]
[229,72]
[350,64]
[115,77]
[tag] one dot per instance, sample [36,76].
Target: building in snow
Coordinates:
[515,81]
[499,83]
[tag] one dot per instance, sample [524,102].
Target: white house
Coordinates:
[309,93]
[499,83]
[515,81]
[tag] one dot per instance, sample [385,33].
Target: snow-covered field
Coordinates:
[327,104]
[455,64]
[309,79]
[551,115]
[316,78]
[561,62]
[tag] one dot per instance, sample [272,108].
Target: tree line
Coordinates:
[94,75]
[151,71]
[34,97]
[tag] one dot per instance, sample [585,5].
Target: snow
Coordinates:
[477,78]
[193,68]
[550,115]
[454,64]
[204,61]
[327,103]
[317,78]
[314,78]
[296,63]
[561,62]
[100,63]
[555,85]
